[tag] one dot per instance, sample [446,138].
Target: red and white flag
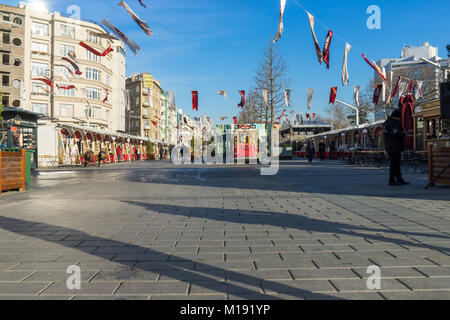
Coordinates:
[310,97]
[326,48]
[235,120]
[97,53]
[106,96]
[316,43]
[242,103]
[374,67]
[402,88]
[195,100]
[280,25]
[377,94]
[333,95]
[345,77]
[397,87]
[284,111]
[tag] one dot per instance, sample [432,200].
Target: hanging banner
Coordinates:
[195,100]
[265,94]
[411,87]
[97,53]
[74,65]
[377,69]
[284,111]
[45,80]
[280,25]
[310,97]
[333,95]
[419,93]
[144,26]
[222,93]
[235,120]
[402,88]
[287,97]
[301,117]
[345,77]
[242,103]
[66,87]
[130,43]
[377,94]
[106,96]
[316,43]
[326,48]
[397,87]
[356,95]
[103,35]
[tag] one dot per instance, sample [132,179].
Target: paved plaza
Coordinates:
[153,230]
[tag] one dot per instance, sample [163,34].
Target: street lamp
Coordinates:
[350,106]
[365,131]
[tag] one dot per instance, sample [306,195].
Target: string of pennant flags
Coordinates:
[403,85]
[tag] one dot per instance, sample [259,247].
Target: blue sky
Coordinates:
[215,45]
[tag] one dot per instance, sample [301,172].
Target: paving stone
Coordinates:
[22,288]
[357,285]
[427,283]
[152,288]
[97,288]
[297,286]
[325,274]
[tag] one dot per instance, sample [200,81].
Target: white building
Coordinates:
[411,62]
[49,37]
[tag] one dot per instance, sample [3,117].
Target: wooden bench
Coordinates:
[439,160]
[12,171]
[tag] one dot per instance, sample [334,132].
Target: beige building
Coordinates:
[12,51]
[145,117]
[49,37]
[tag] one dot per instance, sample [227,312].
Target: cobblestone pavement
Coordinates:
[156,231]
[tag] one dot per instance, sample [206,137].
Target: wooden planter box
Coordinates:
[439,159]
[12,171]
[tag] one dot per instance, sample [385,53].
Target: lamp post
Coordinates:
[365,131]
[350,106]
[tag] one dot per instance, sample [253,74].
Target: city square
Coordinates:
[160,231]
[213,154]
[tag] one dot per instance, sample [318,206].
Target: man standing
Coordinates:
[394,143]
[311,150]
[322,149]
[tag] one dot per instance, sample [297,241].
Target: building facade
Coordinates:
[50,37]
[147,100]
[12,53]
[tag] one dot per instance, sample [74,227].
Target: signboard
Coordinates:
[245,126]
[148,81]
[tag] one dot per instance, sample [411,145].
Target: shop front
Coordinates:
[20,131]
[428,125]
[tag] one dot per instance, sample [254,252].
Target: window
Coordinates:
[6,17]
[5,59]
[93,74]
[93,93]
[67,31]
[6,38]
[16,83]
[94,112]
[66,110]
[92,57]
[18,21]
[92,38]
[39,48]
[38,89]
[67,93]
[65,49]
[5,100]
[17,42]
[5,81]
[17,62]
[108,80]
[39,69]
[39,108]
[39,29]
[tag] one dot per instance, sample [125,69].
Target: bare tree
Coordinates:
[251,113]
[271,75]
[338,116]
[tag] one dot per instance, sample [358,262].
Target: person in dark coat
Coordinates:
[322,149]
[394,143]
[311,150]
[332,150]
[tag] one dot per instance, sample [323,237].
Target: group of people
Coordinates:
[311,150]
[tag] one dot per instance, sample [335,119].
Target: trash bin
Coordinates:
[28,165]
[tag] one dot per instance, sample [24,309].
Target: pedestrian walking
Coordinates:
[311,150]
[161,153]
[101,157]
[394,143]
[322,148]
[332,150]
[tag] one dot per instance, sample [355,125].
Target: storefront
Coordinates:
[20,130]
[427,124]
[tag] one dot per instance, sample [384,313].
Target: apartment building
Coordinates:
[12,51]
[147,100]
[98,100]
